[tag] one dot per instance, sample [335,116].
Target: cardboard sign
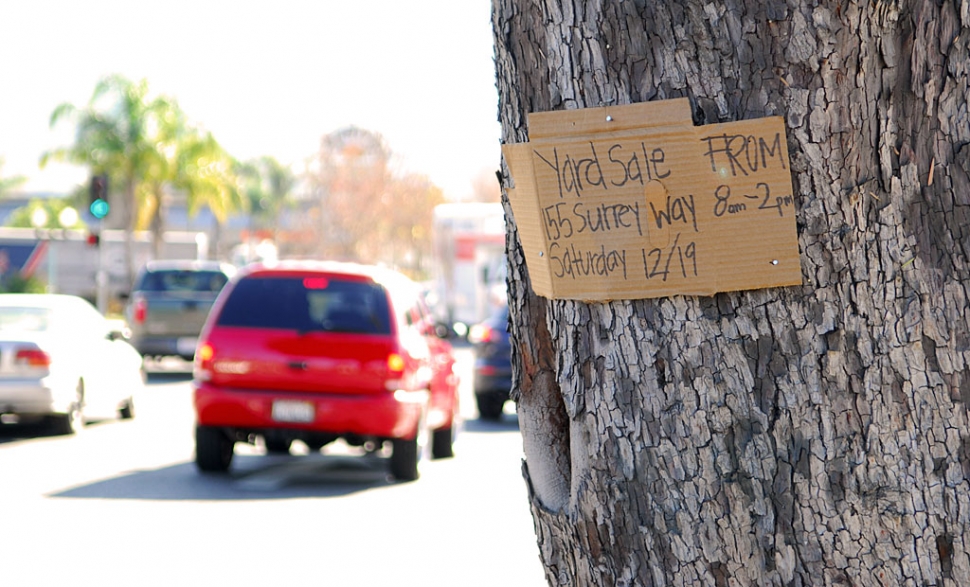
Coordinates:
[634,201]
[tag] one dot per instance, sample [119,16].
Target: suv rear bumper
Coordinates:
[381,415]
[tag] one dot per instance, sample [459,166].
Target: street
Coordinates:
[123,504]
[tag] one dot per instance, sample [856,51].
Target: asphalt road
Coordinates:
[122,504]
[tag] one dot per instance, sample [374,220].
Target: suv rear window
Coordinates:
[176,280]
[307,304]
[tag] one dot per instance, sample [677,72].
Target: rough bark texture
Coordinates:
[812,435]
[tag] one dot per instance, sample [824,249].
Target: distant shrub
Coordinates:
[16,283]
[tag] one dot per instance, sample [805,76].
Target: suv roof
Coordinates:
[398,285]
[377,273]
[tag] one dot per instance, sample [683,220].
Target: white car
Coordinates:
[61,360]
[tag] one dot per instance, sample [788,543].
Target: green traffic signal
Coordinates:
[99,208]
[99,196]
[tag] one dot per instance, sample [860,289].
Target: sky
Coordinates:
[266,78]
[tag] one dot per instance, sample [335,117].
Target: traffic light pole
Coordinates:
[99,209]
[101,277]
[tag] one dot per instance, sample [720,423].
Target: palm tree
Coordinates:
[194,164]
[267,185]
[8,183]
[145,146]
[114,137]
[206,173]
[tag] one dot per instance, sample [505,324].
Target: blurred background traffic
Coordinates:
[263,137]
[142,141]
[85,243]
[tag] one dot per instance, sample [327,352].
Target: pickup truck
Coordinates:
[168,306]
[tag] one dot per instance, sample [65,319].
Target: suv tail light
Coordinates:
[481,333]
[202,368]
[140,311]
[395,364]
[395,371]
[32,358]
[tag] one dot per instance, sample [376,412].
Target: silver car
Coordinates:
[61,360]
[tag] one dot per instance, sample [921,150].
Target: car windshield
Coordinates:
[182,280]
[307,304]
[24,319]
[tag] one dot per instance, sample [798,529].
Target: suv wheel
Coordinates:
[443,443]
[404,459]
[213,449]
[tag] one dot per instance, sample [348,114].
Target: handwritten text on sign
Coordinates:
[658,210]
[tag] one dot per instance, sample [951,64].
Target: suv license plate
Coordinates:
[292,411]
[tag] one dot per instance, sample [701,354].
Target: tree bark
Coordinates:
[813,435]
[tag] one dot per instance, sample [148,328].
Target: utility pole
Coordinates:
[99,209]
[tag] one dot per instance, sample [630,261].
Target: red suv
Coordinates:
[318,351]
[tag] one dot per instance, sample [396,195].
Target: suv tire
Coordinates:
[404,459]
[213,449]
[443,443]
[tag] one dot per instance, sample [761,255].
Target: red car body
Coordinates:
[317,351]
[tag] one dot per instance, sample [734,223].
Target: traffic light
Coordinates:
[94,239]
[99,196]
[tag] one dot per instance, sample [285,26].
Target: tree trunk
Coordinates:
[157,223]
[812,435]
